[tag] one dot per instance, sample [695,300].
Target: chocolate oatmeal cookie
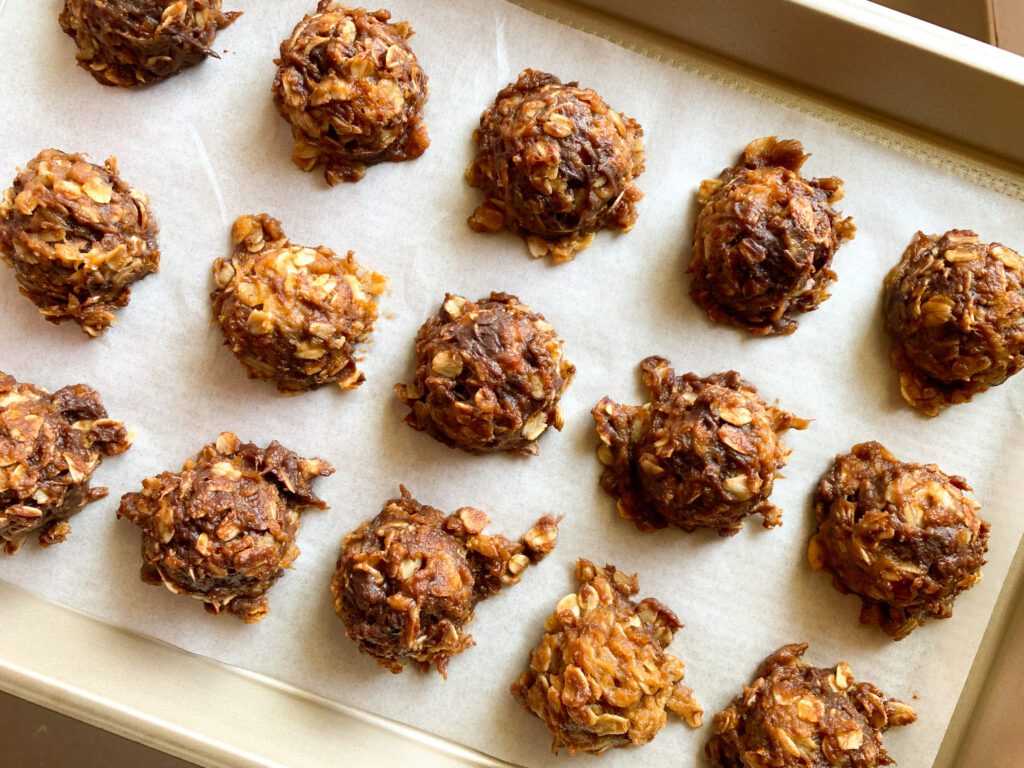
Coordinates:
[50,445]
[408,581]
[954,307]
[906,538]
[765,238]
[600,676]
[293,314]
[489,377]
[223,529]
[555,164]
[352,90]
[136,42]
[703,453]
[798,716]
[77,237]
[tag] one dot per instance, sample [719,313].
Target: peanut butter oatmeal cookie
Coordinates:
[489,378]
[555,164]
[77,237]
[223,529]
[292,314]
[50,445]
[906,538]
[703,453]
[798,716]
[135,42]
[954,307]
[765,238]
[352,90]
[408,581]
[600,676]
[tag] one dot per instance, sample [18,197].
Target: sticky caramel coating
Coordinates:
[77,237]
[223,529]
[703,453]
[50,445]
[765,238]
[352,90]
[798,716]
[906,538]
[600,677]
[131,43]
[408,581]
[489,377]
[555,164]
[954,307]
[293,314]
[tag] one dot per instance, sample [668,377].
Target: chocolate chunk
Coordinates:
[489,377]
[135,42]
[223,529]
[352,90]
[954,307]
[906,538]
[555,164]
[798,716]
[77,237]
[703,453]
[408,581]
[50,445]
[600,676]
[765,238]
[292,314]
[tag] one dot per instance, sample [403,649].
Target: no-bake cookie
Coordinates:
[798,716]
[489,377]
[223,529]
[600,676]
[954,307]
[765,238]
[77,237]
[556,164]
[408,581]
[906,538]
[703,453]
[135,42]
[290,313]
[50,445]
[352,90]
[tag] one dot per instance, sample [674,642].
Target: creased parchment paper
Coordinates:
[209,146]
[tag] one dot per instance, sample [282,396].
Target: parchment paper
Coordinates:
[209,146]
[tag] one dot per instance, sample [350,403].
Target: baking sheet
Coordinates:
[208,146]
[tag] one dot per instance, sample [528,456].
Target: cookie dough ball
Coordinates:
[353,91]
[600,676]
[795,716]
[764,241]
[292,314]
[135,42]
[556,164]
[49,447]
[906,538]
[489,377]
[954,307]
[77,237]
[223,529]
[408,581]
[703,453]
